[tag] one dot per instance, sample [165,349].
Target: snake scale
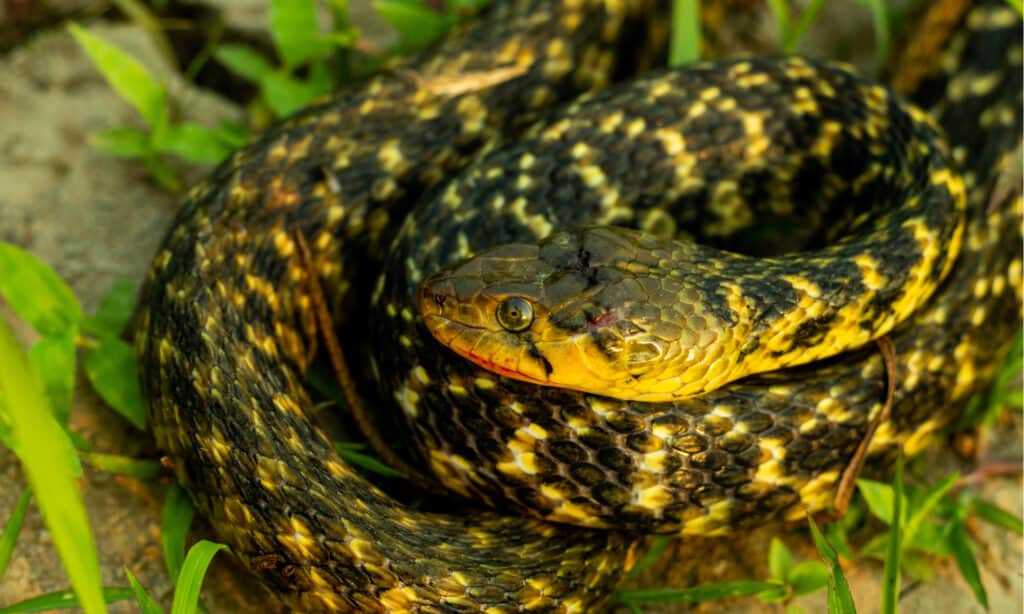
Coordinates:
[434,162]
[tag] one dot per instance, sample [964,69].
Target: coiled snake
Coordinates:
[227,323]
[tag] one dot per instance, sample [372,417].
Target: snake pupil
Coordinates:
[515,314]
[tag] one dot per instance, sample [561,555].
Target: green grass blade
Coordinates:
[176,519]
[891,571]
[684,43]
[416,24]
[147,604]
[243,61]
[780,560]
[65,599]
[883,31]
[929,501]
[996,515]
[12,529]
[658,546]
[780,10]
[1017,5]
[964,558]
[190,580]
[840,601]
[126,75]
[803,24]
[53,481]
[36,293]
[707,592]
[352,454]
[123,465]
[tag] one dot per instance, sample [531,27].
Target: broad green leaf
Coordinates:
[707,592]
[193,142]
[780,560]
[122,142]
[126,75]
[878,496]
[996,515]
[930,498]
[53,362]
[964,558]
[176,519]
[147,604]
[416,24]
[684,44]
[285,95]
[891,569]
[53,480]
[110,367]
[13,528]
[65,599]
[115,309]
[190,580]
[807,577]
[123,465]
[37,293]
[654,552]
[243,61]
[776,594]
[917,565]
[232,134]
[840,601]
[294,31]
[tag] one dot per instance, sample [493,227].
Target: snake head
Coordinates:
[582,309]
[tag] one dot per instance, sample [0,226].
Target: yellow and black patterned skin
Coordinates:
[226,328]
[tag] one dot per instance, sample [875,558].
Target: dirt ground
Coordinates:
[95,218]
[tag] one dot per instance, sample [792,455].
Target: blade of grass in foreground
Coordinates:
[11,530]
[684,45]
[891,573]
[53,481]
[62,600]
[707,592]
[840,601]
[190,580]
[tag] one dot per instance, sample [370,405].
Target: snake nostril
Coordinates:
[440,299]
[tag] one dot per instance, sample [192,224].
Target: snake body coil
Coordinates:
[226,326]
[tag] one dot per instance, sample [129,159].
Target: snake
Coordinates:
[526,254]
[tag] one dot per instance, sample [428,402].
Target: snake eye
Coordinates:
[515,314]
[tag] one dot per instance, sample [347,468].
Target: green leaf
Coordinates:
[193,142]
[996,515]
[294,31]
[416,24]
[243,61]
[36,293]
[352,454]
[12,529]
[840,601]
[929,537]
[126,75]
[1017,5]
[110,367]
[707,592]
[917,565]
[65,599]
[53,480]
[190,580]
[123,465]
[176,519]
[115,309]
[807,577]
[878,496]
[930,498]
[285,95]
[232,134]
[122,142]
[964,558]
[780,560]
[164,175]
[802,25]
[684,44]
[53,362]
[147,604]
[654,552]
[891,570]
